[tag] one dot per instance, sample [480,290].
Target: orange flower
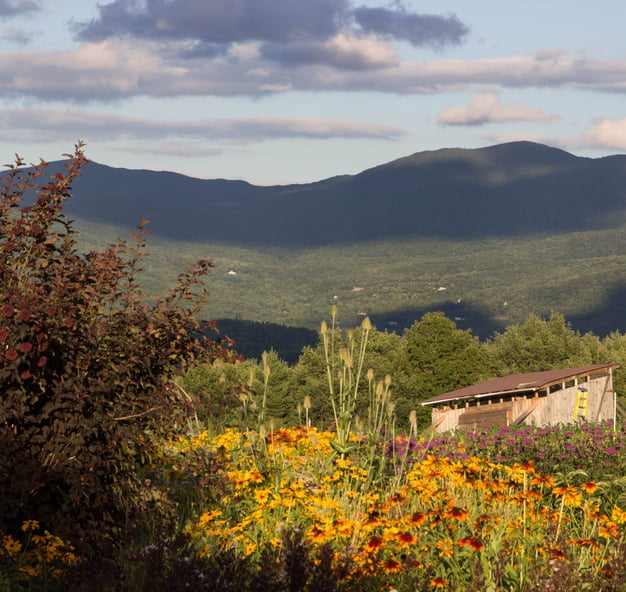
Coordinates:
[436,520]
[482,520]
[571,496]
[418,518]
[375,542]
[618,515]
[471,541]
[318,534]
[557,553]
[527,467]
[589,487]
[459,513]
[406,537]
[391,566]
[446,547]
[438,582]
[542,480]
[584,543]
[398,499]
[608,530]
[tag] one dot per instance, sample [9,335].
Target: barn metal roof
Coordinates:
[517,383]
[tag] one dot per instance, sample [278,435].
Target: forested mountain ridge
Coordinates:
[508,190]
[487,235]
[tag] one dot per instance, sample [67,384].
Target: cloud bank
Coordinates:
[275,21]
[170,48]
[45,125]
[286,34]
[117,69]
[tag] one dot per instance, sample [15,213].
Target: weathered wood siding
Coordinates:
[556,405]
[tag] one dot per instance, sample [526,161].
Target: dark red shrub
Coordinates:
[86,361]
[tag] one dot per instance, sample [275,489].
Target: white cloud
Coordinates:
[245,51]
[41,125]
[276,88]
[517,71]
[606,133]
[486,108]
[102,71]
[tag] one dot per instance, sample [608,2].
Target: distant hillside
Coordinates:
[487,235]
[516,189]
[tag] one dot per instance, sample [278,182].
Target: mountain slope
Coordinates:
[508,190]
[487,235]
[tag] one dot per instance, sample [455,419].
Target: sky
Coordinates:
[295,91]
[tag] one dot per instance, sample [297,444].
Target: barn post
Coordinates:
[614,400]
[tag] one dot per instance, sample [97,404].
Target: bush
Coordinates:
[86,362]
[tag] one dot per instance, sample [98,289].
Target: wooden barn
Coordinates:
[539,398]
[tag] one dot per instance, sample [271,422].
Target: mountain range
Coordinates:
[515,189]
[487,235]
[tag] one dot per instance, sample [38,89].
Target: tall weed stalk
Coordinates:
[344,372]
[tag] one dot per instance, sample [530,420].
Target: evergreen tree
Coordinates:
[271,391]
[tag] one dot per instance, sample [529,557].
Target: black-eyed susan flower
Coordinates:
[458,513]
[10,547]
[375,542]
[406,538]
[608,529]
[572,497]
[556,553]
[471,541]
[391,565]
[589,487]
[446,547]
[418,518]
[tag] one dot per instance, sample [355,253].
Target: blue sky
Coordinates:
[292,91]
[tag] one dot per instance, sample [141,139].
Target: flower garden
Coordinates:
[424,515]
[289,509]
